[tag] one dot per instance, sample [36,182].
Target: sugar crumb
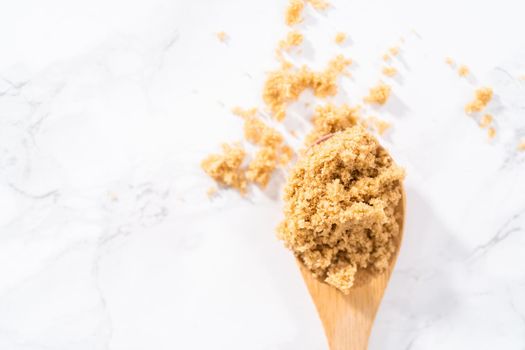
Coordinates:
[449,61]
[258,133]
[262,166]
[225,168]
[378,94]
[293,14]
[272,152]
[394,50]
[340,38]
[521,146]
[491,132]
[380,126]
[482,98]
[463,71]
[222,36]
[389,71]
[386,57]
[486,120]
[293,39]
[286,156]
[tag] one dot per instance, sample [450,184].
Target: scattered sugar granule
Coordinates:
[319,4]
[244,113]
[281,86]
[293,14]
[339,63]
[262,166]
[261,134]
[521,146]
[286,155]
[449,61]
[284,86]
[389,71]
[212,191]
[463,71]
[272,152]
[486,120]
[522,77]
[491,132]
[293,39]
[378,94]
[386,57]
[222,36]
[482,98]
[225,168]
[394,50]
[340,38]
[379,125]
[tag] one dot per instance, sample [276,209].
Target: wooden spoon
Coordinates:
[347,319]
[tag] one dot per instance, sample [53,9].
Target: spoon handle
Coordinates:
[347,319]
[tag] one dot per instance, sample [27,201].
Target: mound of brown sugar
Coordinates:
[285,85]
[482,98]
[340,208]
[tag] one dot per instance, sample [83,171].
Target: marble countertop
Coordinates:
[107,237]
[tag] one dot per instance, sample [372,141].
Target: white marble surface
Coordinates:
[107,238]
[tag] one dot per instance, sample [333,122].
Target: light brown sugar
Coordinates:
[340,201]
[226,167]
[481,99]
[379,94]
